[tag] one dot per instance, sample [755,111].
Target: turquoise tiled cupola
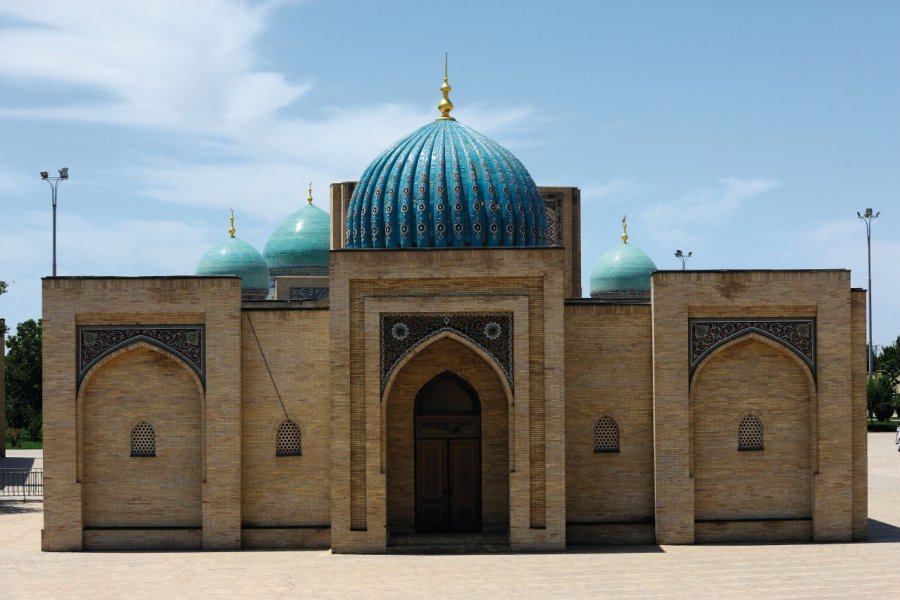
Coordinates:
[445,185]
[623,273]
[299,246]
[237,257]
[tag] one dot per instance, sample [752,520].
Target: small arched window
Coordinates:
[143,440]
[750,434]
[287,441]
[606,435]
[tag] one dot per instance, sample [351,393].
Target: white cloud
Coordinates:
[613,187]
[674,221]
[187,66]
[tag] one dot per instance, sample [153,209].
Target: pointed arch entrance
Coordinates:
[448,456]
[446,422]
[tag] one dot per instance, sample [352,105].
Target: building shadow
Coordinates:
[15,506]
[881,532]
[17,462]
[614,549]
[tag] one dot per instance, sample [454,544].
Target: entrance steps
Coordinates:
[448,543]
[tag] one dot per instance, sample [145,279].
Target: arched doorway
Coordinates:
[448,456]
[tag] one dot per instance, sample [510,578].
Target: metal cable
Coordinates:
[266,362]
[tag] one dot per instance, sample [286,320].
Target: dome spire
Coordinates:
[625,229]
[309,197]
[232,230]
[445,106]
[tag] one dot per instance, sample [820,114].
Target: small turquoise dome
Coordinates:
[299,246]
[623,273]
[236,257]
[445,185]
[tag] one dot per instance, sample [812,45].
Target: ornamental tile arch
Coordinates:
[797,335]
[401,333]
[186,342]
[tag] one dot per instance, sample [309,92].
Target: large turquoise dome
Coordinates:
[299,246]
[236,257]
[445,185]
[623,273]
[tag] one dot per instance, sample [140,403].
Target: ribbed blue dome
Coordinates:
[236,257]
[445,185]
[622,273]
[299,246]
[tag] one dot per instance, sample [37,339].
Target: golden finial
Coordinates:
[625,229]
[232,230]
[309,198]
[445,106]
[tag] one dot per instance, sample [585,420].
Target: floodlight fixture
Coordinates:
[54,184]
[683,258]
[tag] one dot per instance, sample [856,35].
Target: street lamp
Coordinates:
[681,255]
[54,183]
[868,217]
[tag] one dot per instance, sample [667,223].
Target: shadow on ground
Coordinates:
[13,506]
[880,532]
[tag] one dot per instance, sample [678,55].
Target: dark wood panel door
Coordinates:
[432,510]
[464,477]
[448,485]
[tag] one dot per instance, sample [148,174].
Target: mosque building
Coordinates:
[420,369]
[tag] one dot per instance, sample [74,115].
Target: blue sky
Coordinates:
[747,132]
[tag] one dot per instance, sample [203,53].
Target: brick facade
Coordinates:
[676,475]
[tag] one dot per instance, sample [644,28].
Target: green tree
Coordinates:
[3,287]
[23,378]
[880,396]
[888,361]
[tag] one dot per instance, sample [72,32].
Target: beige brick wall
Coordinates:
[447,355]
[609,496]
[569,231]
[285,491]
[859,367]
[141,384]
[71,301]
[774,483]
[455,281]
[825,295]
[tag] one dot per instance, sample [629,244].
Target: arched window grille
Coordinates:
[287,441]
[143,440]
[750,434]
[606,435]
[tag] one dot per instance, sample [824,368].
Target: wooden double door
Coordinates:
[448,473]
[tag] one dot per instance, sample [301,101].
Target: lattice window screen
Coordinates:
[287,441]
[750,434]
[143,440]
[606,435]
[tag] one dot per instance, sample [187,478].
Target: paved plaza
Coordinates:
[751,571]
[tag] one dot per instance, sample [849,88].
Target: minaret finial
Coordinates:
[232,230]
[309,198]
[445,106]
[625,229]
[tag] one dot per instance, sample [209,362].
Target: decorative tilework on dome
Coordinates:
[445,185]
[236,257]
[623,273]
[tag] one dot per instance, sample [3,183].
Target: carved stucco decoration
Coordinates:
[186,342]
[798,335]
[402,332]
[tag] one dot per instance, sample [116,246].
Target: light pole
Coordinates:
[54,183]
[683,257]
[868,217]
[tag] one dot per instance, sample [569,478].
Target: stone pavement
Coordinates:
[744,571]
